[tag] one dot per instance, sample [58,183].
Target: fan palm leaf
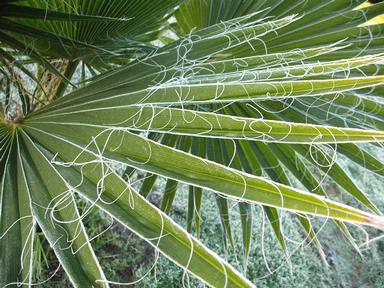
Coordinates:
[249,91]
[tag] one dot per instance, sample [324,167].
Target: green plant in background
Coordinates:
[237,97]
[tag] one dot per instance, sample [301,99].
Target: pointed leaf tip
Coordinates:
[378,222]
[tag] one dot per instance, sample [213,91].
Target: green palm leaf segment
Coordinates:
[249,80]
[155,158]
[16,225]
[189,122]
